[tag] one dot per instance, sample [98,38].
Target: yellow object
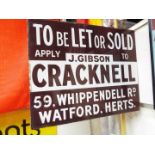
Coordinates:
[115,22]
[122,124]
[18,123]
[98,22]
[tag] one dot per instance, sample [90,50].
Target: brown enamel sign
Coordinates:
[80,72]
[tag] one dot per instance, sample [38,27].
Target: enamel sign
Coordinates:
[80,72]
